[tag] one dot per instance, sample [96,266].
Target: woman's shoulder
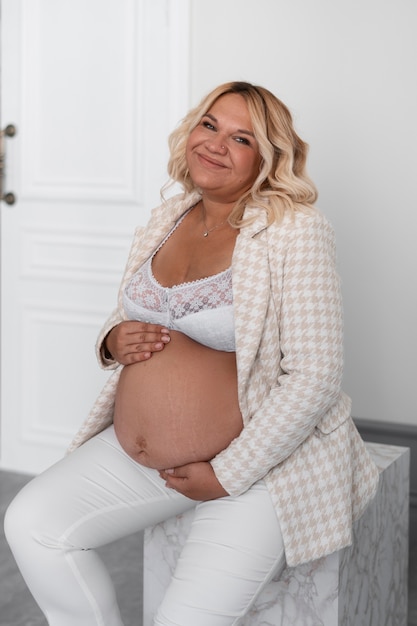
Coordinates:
[306,219]
[304,230]
[175,206]
[166,213]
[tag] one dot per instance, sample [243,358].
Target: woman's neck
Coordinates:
[214,211]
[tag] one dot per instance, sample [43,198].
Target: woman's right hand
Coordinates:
[130,342]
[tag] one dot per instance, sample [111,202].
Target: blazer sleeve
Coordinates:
[118,314]
[308,383]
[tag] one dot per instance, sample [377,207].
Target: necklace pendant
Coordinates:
[205,234]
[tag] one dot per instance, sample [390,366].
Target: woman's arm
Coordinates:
[122,341]
[311,344]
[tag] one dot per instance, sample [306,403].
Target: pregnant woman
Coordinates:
[226,397]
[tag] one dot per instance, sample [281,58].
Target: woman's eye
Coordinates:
[208,125]
[243,140]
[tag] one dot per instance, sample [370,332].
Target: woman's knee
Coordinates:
[26,518]
[18,520]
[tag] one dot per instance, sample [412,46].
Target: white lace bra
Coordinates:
[201,309]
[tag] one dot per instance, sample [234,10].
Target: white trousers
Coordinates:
[98,494]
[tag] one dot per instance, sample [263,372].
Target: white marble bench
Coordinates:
[364,585]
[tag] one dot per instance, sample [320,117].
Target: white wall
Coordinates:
[347,69]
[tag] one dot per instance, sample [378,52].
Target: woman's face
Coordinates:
[222,152]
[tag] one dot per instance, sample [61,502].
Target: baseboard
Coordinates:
[395,435]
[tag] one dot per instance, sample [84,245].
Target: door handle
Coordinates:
[9,131]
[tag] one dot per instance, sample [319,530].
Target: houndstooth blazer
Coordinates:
[298,433]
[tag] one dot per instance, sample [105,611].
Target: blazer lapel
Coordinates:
[162,220]
[251,288]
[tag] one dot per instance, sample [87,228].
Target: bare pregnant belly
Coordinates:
[179,406]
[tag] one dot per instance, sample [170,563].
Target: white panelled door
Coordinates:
[93,88]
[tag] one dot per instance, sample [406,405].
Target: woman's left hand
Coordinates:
[195,480]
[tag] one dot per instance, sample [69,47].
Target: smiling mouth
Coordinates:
[209,161]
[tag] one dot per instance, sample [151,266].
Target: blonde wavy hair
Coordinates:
[282,183]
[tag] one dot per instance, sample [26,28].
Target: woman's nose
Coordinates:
[218,145]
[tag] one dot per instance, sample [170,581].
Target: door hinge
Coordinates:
[10,131]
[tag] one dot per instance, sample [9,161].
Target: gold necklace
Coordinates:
[209,230]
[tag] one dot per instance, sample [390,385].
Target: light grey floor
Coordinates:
[124,561]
